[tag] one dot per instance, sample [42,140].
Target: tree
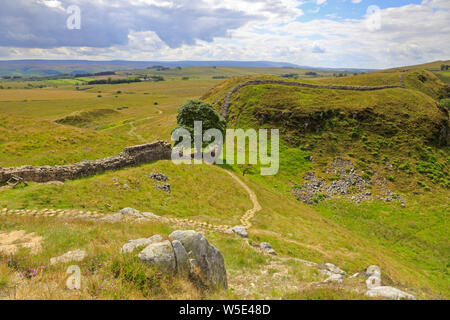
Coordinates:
[443,67]
[197,110]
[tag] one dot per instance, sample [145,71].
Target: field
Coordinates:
[67,121]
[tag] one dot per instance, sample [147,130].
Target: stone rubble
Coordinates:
[348,183]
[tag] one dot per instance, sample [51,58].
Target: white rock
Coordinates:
[373,281]
[159,255]
[335,278]
[131,245]
[373,270]
[389,293]
[130,212]
[150,215]
[71,256]
[267,248]
[240,231]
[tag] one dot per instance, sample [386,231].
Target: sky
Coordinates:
[318,33]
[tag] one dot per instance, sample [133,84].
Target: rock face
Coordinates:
[240,231]
[160,255]
[132,156]
[71,256]
[211,266]
[132,245]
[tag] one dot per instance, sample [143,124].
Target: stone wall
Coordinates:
[132,156]
[226,105]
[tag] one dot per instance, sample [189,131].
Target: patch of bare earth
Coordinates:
[10,242]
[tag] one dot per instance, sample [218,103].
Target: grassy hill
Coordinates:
[399,135]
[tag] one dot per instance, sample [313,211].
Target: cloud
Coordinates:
[226,30]
[42,24]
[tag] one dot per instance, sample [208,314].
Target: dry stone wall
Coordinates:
[132,156]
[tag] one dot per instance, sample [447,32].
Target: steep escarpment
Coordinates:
[388,129]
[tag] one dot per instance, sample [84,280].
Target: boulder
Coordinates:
[130,212]
[211,266]
[71,256]
[373,270]
[373,282]
[131,245]
[267,248]
[181,257]
[335,277]
[240,231]
[389,293]
[159,255]
[150,215]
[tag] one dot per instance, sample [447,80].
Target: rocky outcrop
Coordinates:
[133,214]
[240,231]
[132,156]
[132,245]
[347,182]
[186,253]
[389,293]
[161,256]
[376,290]
[206,261]
[266,247]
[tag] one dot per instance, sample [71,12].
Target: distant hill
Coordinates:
[27,68]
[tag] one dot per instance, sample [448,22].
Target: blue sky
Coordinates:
[328,33]
[342,9]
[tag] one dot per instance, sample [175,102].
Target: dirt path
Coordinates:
[248,216]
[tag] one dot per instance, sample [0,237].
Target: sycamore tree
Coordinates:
[197,110]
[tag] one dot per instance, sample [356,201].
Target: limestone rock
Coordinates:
[71,256]
[267,248]
[389,293]
[209,259]
[130,212]
[240,231]
[132,245]
[181,257]
[335,277]
[373,281]
[159,255]
[150,215]
[112,218]
[373,270]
